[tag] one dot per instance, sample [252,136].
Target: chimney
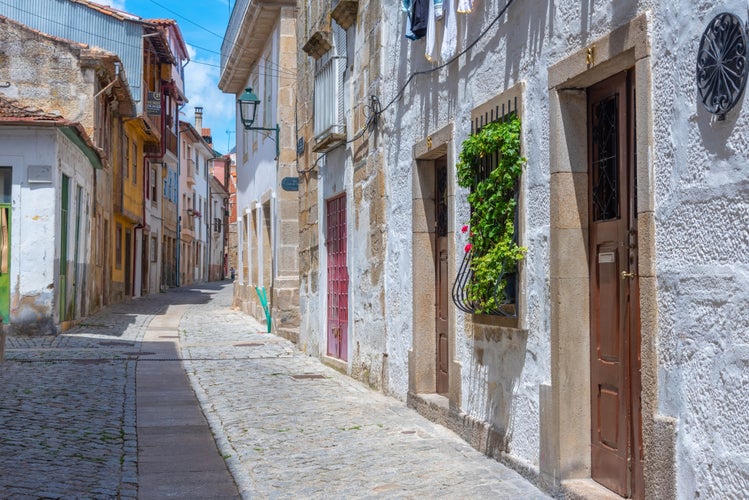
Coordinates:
[198,118]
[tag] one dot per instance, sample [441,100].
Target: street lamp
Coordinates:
[248,102]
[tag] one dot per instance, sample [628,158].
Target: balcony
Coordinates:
[330,122]
[170,138]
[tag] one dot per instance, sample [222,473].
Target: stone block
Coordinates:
[422,217]
[569,253]
[569,200]
[646,262]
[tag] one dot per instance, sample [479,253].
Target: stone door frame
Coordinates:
[565,453]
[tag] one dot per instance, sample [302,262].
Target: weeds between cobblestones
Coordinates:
[292,427]
[286,425]
[67,407]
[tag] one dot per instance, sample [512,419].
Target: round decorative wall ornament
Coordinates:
[722,64]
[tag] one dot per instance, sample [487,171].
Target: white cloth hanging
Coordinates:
[450,35]
[465,6]
[438,9]
[430,52]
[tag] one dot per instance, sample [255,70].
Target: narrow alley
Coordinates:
[105,410]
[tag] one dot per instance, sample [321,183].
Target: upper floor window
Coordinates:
[154,184]
[126,157]
[134,161]
[329,73]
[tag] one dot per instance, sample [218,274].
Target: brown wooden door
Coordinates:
[614,297]
[337,278]
[441,278]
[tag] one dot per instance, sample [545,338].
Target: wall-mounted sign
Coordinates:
[153,104]
[290,183]
[38,174]
[722,64]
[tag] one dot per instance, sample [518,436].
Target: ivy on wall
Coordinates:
[492,243]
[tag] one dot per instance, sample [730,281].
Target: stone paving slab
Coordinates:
[321,435]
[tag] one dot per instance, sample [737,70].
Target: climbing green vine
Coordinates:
[492,201]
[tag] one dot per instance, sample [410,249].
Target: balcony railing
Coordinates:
[330,123]
[170,138]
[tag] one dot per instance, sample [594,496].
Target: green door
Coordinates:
[65,312]
[6,184]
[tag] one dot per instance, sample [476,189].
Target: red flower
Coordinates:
[464,229]
[468,248]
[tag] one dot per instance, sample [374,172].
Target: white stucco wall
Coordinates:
[503,388]
[702,228]
[702,214]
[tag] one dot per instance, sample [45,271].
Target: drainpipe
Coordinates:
[179,217]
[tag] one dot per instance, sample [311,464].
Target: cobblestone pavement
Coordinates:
[288,426]
[67,408]
[294,428]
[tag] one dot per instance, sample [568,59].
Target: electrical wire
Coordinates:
[449,61]
[186,19]
[280,71]
[370,125]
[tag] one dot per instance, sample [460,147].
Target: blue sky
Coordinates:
[203,24]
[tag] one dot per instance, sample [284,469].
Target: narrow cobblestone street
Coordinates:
[286,425]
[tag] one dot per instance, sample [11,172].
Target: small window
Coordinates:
[154,185]
[134,161]
[126,158]
[154,248]
[118,247]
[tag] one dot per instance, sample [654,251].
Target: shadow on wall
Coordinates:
[520,34]
[498,360]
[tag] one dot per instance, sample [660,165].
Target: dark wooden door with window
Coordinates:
[337,278]
[614,297]
[441,278]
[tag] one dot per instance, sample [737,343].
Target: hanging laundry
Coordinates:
[450,35]
[419,18]
[438,9]
[407,7]
[431,34]
[465,6]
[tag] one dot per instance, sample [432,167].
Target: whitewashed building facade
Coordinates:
[623,363]
[259,52]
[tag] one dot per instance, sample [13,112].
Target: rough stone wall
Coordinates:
[702,240]
[286,284]
[357,170]
[310,299]
[46,73]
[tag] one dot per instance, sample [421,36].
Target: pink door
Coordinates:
[337,278]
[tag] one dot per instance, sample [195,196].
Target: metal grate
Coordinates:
[605,164]
[329,74]
[308,376]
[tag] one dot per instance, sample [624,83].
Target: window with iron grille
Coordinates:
[329,73]
[501,299]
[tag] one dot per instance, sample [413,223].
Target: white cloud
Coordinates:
[117,4]
[201,88]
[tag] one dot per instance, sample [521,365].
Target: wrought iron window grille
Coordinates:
[506,298]
[722,64]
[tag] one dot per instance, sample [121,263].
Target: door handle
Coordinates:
[626,275]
